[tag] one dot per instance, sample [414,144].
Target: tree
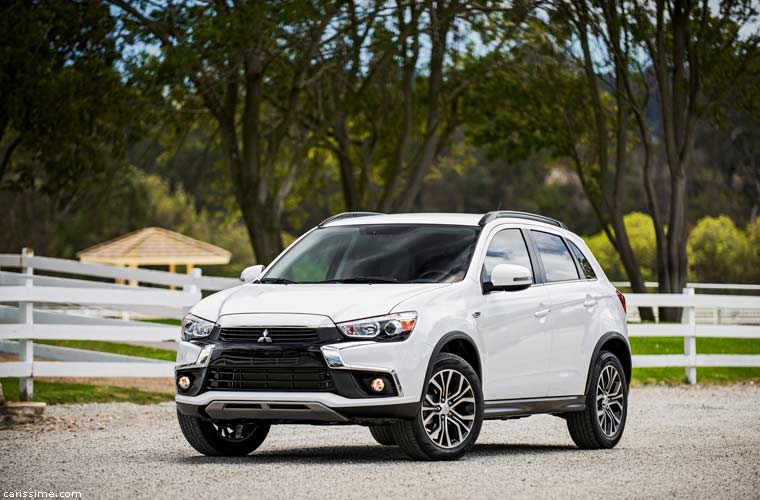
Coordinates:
[671,54]
[686,43]
[392,94]
[544,96]
[64,109]
[247,64]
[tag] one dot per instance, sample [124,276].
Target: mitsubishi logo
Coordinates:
[265,337]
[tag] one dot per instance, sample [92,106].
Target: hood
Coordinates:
[339,301]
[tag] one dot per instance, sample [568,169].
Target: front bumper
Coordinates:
[344,403]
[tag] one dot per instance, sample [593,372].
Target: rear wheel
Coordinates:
[450,416]
[602,423]
[383,434]
[224,438]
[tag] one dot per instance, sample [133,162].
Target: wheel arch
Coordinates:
[617,344]
[462,345]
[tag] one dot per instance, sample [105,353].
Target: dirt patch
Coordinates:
[6,356]
[162,385]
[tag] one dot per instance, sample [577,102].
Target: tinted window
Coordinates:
[558,263]
[507,247]
[588,271]
[379,253]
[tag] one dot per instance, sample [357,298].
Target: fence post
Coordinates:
[193,287]
[690,341]
[26,316]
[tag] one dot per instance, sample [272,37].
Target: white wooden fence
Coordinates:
[690,330]
[20,320]
[23,322]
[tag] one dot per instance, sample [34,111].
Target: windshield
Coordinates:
[394,253]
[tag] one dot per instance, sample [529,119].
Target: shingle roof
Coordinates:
[155,246]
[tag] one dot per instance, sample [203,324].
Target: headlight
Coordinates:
[194,327]
[380,326]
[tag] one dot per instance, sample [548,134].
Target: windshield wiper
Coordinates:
[278,281]
[362,279]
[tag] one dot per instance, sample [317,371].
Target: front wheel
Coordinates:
[450,416]
[383,434]
[602,423]
[222,439]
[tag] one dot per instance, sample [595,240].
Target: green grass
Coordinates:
[163,321]
[706,345]
[63,393]
[114,348]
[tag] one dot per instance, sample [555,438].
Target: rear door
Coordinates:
[513,325]
[574,317]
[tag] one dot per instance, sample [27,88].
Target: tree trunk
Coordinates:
[676,240]
[346,166]
[628,259]
[264,231]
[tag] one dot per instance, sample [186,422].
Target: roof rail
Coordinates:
[502,214]
[347,215]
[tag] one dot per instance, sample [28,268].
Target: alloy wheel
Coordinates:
[234,432]
[448,410]
[609,400]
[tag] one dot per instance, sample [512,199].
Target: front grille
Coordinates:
[270,379]
[277,335]
[266,370]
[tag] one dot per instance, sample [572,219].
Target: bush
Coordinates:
[719,252]
[641,233]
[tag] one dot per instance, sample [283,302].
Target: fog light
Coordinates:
[377,385]
[184,382]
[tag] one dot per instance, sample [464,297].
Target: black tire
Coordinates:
[411,435]
[204,437]
[383,434]
[585,426]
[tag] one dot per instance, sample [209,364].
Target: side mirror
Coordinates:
[510,277]
[251,273]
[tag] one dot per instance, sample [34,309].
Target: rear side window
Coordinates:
[586,268]
[507,247]
[558,263]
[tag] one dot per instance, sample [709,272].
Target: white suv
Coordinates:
[419,326]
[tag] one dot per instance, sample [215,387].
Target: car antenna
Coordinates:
[499,207]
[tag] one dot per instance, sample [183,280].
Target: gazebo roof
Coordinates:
[154,246]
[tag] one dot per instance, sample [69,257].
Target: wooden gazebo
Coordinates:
[155,246]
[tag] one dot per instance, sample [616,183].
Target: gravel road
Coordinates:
[680,443]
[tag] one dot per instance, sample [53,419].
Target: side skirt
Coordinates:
[509,408]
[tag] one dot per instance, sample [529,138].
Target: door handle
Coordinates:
[542,313]
[589,302]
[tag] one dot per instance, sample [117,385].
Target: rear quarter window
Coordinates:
[586,268]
